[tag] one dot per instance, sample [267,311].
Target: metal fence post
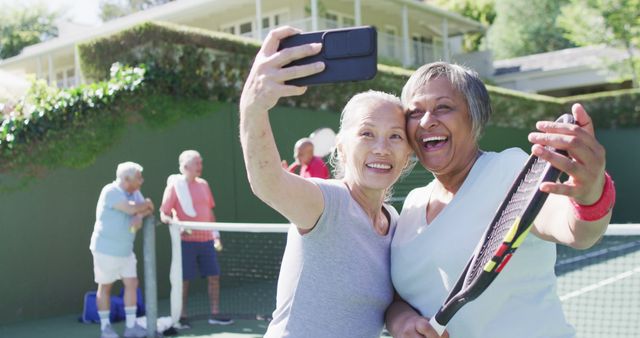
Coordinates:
[150,280]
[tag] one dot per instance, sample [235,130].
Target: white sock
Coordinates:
[104,319]
[130,312]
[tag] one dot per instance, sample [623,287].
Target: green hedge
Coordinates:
[205,64]
[68,127]
[620,108]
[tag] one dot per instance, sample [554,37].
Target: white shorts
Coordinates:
[108,269]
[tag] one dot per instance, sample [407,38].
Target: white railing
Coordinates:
[390,50]
[390,47]
[303,24]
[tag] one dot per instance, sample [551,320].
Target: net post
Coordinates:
[175,273]
[150,279]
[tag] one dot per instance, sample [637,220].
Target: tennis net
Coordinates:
[599,287]
[249,266]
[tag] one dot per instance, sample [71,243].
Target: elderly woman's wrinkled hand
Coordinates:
[265,84]
[585,164]
[419,327]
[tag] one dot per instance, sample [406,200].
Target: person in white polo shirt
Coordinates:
[119,213]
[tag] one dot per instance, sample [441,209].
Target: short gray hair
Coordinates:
[127,170]
[464,80]
[186,157]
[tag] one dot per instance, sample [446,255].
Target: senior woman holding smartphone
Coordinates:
[334,279]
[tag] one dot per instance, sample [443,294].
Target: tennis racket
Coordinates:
[507,231]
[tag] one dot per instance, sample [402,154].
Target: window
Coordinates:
[242,28]
[71,77]
[245,28]
[271,21]
[420,49]
[60,79]
[332,20]
[248,26]
[348,21]
[390,41]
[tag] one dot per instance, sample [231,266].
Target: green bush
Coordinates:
[614,109]
[198,63]
[68,127]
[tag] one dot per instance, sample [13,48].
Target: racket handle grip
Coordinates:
[436,326]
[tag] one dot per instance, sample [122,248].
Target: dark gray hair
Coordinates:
[464,80]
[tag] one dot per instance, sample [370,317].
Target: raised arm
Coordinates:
[297,199]
[585,166]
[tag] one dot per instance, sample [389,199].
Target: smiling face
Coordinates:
[439,128]
[373,146]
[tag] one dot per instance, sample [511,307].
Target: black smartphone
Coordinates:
[349,54]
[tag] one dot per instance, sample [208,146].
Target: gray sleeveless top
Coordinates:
[335,280]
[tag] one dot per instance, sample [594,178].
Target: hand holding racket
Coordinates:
[507,231]
[585,163]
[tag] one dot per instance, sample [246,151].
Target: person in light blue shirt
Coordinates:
[119,214]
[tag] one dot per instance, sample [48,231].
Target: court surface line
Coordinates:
[600,284]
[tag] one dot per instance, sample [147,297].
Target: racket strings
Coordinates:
[517,204]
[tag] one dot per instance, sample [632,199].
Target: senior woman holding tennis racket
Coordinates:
[440,225]
[334,279]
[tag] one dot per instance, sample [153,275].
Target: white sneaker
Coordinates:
[108,332]
[136,331]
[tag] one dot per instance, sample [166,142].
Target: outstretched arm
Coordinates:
[585,166]
[297,199]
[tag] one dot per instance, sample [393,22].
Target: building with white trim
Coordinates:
[566,72]
[410,32]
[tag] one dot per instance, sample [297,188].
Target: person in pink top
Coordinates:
[188,197]
[307,165]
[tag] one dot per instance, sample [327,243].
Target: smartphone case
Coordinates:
[349,54]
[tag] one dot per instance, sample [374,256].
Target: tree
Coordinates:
[482,11]
[23,26]
[615,23]
[112,9]
[524,27]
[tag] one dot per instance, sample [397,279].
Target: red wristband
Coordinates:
[599,209]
